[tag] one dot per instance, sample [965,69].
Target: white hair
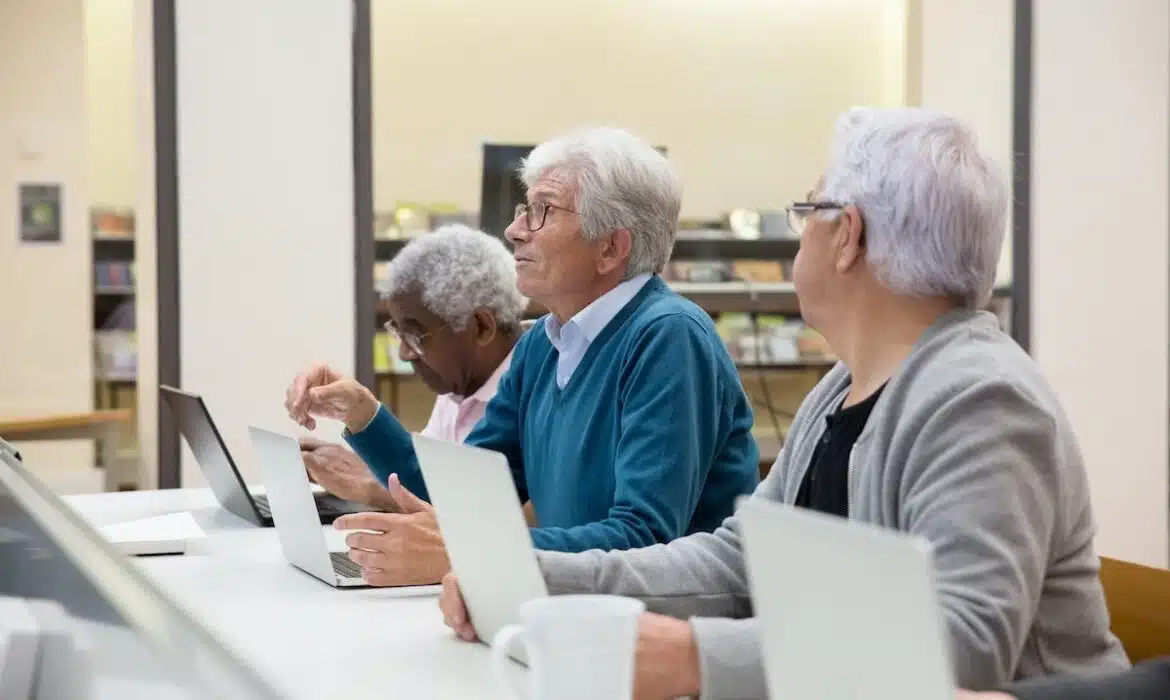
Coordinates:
[457,270]
[934,205]
[620,181]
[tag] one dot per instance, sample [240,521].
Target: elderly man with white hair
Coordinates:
[934,423]
[622,415]
[456,313]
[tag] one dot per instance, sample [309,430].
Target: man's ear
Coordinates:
[850,237]
[484,325]
[615,251]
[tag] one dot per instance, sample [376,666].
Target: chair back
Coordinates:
[1139,607]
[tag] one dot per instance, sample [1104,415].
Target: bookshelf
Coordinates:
[743,283]
[115,342]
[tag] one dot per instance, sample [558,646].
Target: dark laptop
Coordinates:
[195,425]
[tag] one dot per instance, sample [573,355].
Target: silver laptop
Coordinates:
[294,511]
[482,521]
[847,610]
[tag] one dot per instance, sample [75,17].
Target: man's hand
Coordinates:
[667,660]
[408,549]
[342,473]
[454,610]
[323,392]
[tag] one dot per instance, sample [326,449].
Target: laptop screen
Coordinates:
[133,639]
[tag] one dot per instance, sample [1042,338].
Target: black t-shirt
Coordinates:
[826,483]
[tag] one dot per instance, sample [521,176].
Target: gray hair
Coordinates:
[621,182]
[933,202]
[457,270]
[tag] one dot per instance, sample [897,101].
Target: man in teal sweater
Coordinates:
[622,415]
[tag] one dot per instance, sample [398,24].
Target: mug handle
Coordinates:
[501,663]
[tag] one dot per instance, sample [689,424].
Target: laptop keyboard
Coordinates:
[344,566]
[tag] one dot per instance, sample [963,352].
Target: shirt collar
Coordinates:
[593,319]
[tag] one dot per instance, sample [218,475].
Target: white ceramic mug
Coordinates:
[578,647]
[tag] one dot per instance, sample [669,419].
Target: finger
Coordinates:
[378,522]
[407,502]
[299,395]
[466,632]
[372,543]
[372,561]
[380,578]
[311,443]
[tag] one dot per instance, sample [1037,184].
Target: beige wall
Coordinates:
[1099,250]
[45,302]
[743,93]
[960,60]
[111,122]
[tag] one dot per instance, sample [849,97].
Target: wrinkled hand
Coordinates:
[322,392]
[455,610]
[408,549]
[342,473]
[666,661]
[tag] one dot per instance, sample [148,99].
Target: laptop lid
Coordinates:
[290,497]
[198,429]
[846,609]
[483,526]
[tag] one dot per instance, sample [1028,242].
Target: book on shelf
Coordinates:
[116,354]
[114,274]
[111,222]
[386,360]
[771,340]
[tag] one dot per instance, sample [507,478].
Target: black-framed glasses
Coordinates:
[534,214]
[411,339]
[798,213]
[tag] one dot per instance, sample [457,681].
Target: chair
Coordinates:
[1139,607]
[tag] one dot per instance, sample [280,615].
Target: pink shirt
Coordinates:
[454,416]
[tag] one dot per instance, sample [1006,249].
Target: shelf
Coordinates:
[735,248]
[121,249]
[118,379]
[730,297]
[114,291]
[684,248]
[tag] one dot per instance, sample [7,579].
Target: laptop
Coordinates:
[297,527]
[199,431]
[846,610]
[483,525]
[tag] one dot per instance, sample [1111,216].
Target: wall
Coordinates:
[1099,249]
[111,122]
[46,364]
[743,93]
[266,204]
[960,61]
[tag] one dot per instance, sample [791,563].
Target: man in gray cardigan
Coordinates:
[935,423]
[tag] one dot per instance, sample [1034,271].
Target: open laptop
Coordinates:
[297,526]
[847,610]
[197,428]
[483,526]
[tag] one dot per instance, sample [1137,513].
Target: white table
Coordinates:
[312,641]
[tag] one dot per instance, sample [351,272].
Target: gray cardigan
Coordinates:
[967,447]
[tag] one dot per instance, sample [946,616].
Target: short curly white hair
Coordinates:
[456,270]
[621,182]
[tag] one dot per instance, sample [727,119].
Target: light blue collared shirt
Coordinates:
[572,339]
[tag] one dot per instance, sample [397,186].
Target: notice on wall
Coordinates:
[40,213]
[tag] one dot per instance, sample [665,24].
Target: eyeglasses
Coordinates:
[798,213]
[410,339]
[534,214]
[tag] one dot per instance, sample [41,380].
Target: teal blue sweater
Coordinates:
[649,440]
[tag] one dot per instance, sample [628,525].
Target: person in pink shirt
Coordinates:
[456,312]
